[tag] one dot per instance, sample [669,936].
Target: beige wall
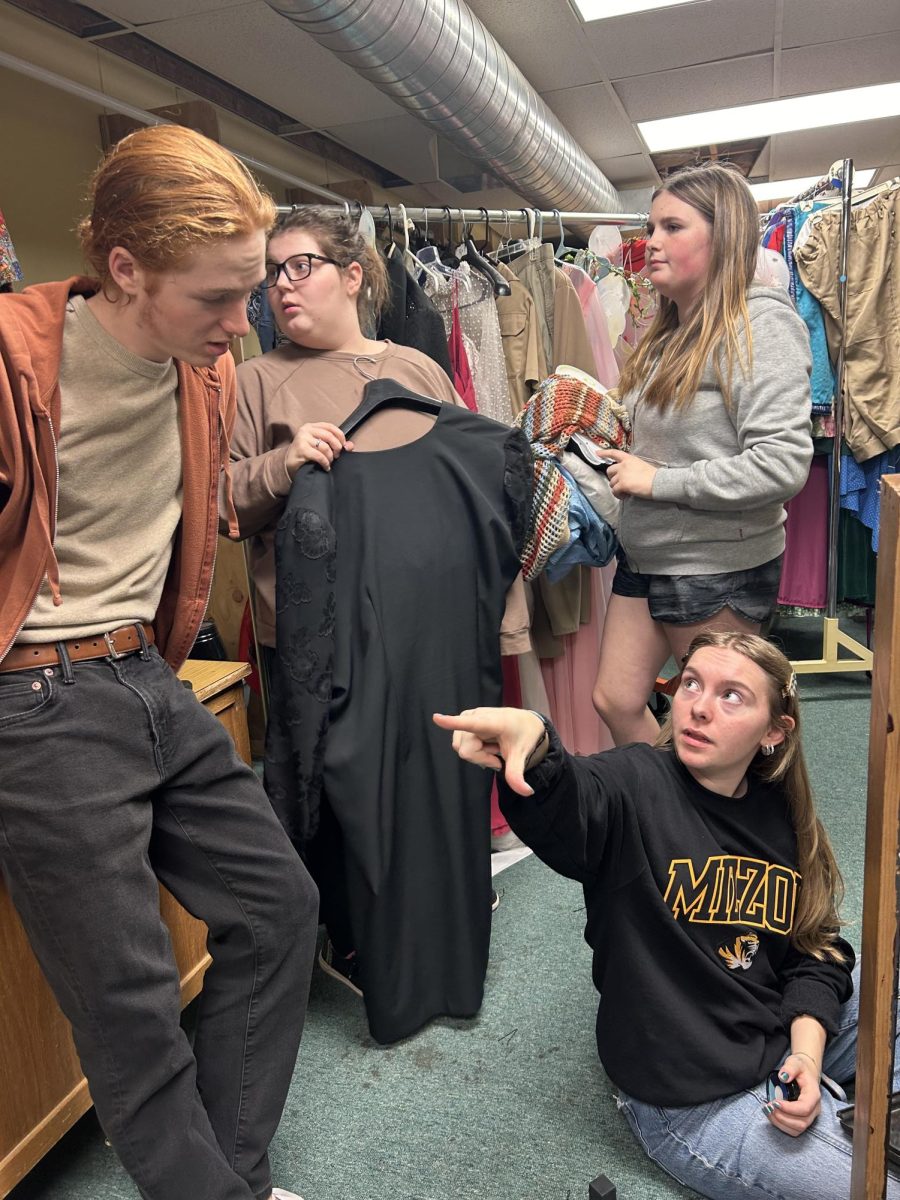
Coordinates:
[54,143]
[50,140]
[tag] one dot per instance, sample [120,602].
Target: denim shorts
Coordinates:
[687,599]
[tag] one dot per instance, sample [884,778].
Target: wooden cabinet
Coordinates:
[42,1089]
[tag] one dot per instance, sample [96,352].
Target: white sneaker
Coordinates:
[281,1194]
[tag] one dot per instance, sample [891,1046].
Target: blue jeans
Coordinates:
[728,1150]
[110,782]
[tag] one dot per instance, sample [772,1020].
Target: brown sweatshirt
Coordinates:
[290,386]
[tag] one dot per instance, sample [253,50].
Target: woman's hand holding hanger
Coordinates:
[317,441]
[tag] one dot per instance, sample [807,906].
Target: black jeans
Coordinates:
[106,785]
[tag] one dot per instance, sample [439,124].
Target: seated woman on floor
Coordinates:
[712,910]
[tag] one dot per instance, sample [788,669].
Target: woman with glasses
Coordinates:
[326,288]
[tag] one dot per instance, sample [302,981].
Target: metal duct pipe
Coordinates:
[437,60]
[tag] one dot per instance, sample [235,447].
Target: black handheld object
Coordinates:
[777,1089]
[601,1188]
[387,393]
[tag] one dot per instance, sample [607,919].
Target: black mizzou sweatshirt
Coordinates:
[690,900]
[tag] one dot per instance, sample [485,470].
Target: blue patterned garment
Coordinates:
[860,487]
[822,381]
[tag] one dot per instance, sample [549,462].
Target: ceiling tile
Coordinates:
[401,143]
[697,89]
[644,43]
[594,120]
[628,171]
[265,55]
[826,68]
[807,22]
[544,39]
[811,152]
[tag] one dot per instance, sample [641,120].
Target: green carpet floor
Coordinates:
[513,1105]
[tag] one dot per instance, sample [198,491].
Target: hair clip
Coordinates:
[790,688]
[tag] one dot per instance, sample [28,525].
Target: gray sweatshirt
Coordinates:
[718,498]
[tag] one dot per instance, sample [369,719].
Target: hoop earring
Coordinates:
[768,750]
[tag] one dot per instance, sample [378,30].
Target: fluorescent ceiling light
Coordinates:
[599,10]
[777,189]
[772,116]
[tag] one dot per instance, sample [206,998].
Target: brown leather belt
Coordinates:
[116,644]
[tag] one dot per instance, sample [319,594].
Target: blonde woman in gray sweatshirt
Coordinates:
[718,393]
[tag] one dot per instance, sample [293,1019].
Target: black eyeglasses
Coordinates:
[297,267]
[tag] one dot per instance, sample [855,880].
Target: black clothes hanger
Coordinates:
[448,258]
[477,260]
[387,393]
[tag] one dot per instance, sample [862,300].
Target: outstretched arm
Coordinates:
[569,809]
[511,740]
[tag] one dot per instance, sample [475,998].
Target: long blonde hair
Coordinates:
[671,357]
[816,921]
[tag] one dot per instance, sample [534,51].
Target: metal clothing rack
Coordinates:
[532,217]
[857,657]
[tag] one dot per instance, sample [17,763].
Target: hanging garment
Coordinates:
[804,571]
[571,344]
[871,358]
[392,575]
[861,488]
[522,343]
[559,610]
[615,296]
[459,364]
[472,296]
[535,269]
[857,563]
[606,369]
[787,230]
[822,380]
[411,319]
[10,271]
[569,676]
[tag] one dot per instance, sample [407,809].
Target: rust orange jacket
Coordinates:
[31,329]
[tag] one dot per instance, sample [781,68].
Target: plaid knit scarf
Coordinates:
[562,405]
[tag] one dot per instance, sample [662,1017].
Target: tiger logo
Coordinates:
[741,952]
